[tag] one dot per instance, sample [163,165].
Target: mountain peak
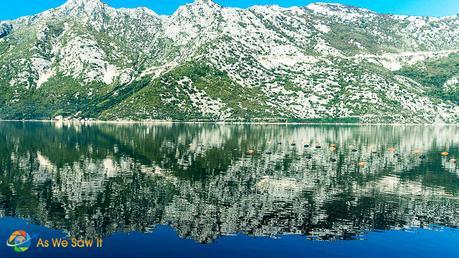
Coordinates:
[83,4]
[209,3]
[336,9]
[83,8]
[204,2]
[197,8]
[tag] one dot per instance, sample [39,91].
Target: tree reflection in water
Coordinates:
[97,179]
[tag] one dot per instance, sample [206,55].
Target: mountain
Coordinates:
[322,62]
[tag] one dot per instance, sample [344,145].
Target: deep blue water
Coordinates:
[164,242]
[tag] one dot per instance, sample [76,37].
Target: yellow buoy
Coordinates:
[332,145]
[417,151]
[445,153]
[250,152]
[362,164]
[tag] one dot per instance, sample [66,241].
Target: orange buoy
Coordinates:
[362,164]
[391,149]
[444,154]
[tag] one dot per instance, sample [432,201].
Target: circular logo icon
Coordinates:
[20,241]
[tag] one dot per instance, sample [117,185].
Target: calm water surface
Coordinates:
[209,190]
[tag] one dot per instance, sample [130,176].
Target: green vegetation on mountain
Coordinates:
[322,62]
[60,95]
[170,96]
[435,75]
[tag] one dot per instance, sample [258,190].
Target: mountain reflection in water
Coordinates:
[97,179]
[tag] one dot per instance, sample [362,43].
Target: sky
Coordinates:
[17,8]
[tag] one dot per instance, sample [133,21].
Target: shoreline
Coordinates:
[146,122]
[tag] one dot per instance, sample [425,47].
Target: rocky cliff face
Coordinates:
[5,29]
[321,62]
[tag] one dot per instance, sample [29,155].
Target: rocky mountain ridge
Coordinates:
[322,62]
